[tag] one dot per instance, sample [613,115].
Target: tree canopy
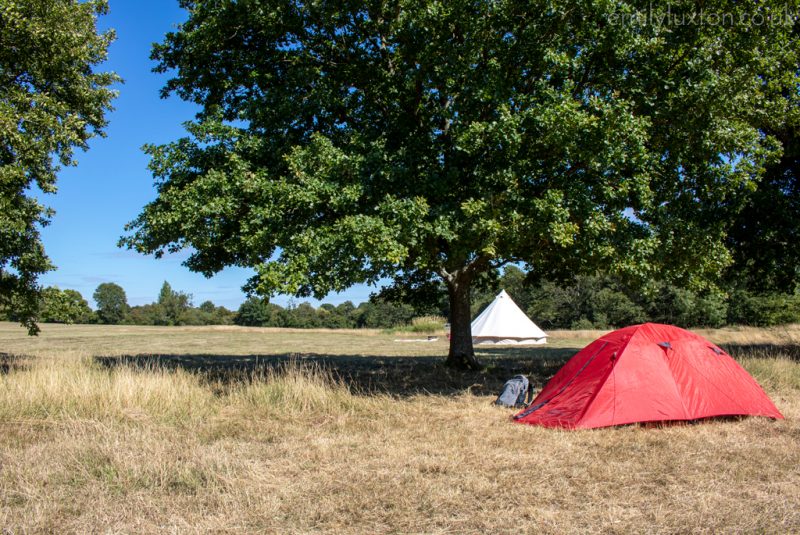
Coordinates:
[171,305]
[51,101]
[63,306]
[426,141]
[766,232]
[112,303]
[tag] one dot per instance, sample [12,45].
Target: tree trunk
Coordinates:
[461,355]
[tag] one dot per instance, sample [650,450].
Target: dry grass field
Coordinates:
[231,430]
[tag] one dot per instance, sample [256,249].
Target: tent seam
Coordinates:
[530,410]
[674,379]
[602,383]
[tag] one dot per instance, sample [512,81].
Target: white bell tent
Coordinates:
[504,323]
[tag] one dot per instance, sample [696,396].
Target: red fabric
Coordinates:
[646,373]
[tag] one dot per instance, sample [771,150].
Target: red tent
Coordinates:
[646,373]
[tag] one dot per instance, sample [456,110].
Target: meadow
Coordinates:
[119,429]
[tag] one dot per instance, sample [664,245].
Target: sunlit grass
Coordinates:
[295,448]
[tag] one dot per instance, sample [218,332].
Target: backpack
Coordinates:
[514,392]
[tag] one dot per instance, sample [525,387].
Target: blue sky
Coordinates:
[111,183]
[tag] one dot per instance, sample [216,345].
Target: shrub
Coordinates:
[763,310]
[581,325]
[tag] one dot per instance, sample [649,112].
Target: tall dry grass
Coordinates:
[74,387]
[78,388]
[428,324]
[86,447]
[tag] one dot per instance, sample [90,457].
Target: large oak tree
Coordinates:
[430,141]
[765,238]
[51,101]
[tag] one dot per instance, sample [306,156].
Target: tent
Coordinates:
[646,373]
[502,322]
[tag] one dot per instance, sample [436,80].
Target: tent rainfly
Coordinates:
[647,373]
[503,323]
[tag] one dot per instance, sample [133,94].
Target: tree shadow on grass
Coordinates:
[791,351]
[399,376]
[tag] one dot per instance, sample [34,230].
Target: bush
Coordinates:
[679,306]
[612,308]
[763,310]
[711,311]
[582,324]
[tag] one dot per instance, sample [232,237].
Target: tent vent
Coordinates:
[665,345]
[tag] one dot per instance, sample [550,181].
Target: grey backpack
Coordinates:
[514,392]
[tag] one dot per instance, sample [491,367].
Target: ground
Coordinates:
[227,429]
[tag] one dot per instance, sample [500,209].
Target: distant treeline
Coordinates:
[602,302]
[171,308]
[586,302]
[175,308]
